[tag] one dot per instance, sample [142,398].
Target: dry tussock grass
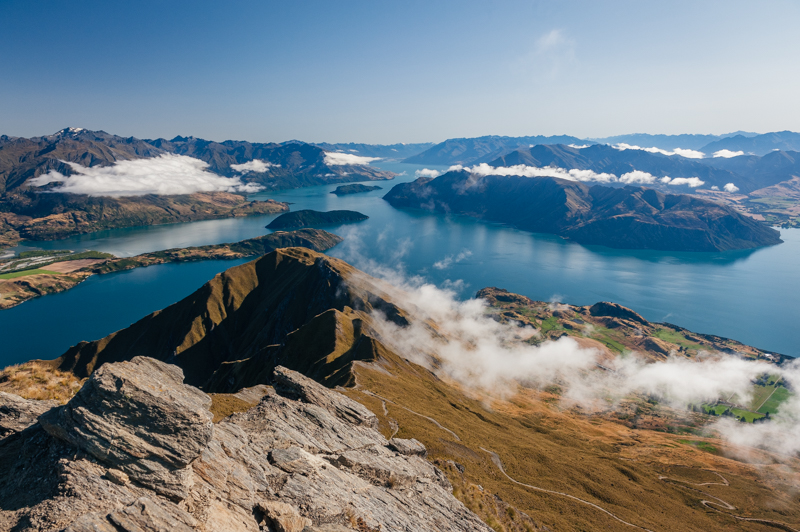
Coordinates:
[39,380]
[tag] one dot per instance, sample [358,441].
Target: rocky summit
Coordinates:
[136,450]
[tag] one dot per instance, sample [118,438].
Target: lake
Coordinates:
[750,296]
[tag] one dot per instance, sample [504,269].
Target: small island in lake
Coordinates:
[343,190]
[308,218]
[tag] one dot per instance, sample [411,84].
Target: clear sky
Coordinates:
[405,71]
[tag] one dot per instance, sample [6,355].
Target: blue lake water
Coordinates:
[751,296]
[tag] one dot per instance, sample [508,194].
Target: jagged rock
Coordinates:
[283,517]
[17,414]
[140,418]
[408,447]
[294,384]
[117,477]
[305,458]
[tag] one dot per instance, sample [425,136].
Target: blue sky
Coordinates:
[384,72]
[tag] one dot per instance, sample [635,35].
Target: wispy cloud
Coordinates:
[449,260]
[335,158]
[689,154]
[166,175]
[256,165]
[728,153]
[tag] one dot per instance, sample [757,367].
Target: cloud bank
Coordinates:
[689,154]
[482,353]
[728,153]
[633,177]
[167,174]
[335,158]
[256,165]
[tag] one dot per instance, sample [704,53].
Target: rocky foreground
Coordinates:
[136,450]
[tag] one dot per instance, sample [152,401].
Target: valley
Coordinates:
[522,456]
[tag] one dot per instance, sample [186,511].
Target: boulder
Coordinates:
[140,418]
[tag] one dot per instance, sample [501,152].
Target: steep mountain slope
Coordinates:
[469,150]
[628,218]
[602,158]
[521,458]
[244,312]
[22,159]
[291,165]
[757,145]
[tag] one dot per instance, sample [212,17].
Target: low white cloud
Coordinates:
[728,153]
[335,158]
[534,171]
[689,154]
[256,165]
[730,187]
[427,172]
[468,345]
[576,146]
[449,260]
[637,176]
[692,182]
[166,174]
[633,177]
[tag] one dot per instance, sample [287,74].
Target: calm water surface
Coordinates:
[750,296]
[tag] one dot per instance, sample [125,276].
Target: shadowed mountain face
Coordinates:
[250,311]
[627,218]
[469,151]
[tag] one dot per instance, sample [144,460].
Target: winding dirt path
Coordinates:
[499,464]
[721,503]
[453,434]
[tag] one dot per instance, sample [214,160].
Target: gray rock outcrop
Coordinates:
[135,450]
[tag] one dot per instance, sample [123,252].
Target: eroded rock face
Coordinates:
[17,414]
[140,418]
[135,450]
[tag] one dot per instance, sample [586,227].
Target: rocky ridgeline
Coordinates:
[136,450]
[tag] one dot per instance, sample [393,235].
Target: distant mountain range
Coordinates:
[289,165]
[467,151]
[383,151]
[669,142]
[476,150]
[627,218]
